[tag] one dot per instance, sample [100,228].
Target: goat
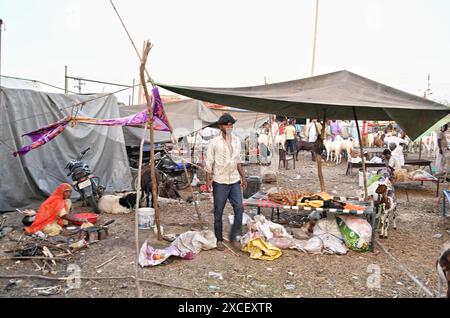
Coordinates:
[316,147]
[168,190]
[386,207]
[394,140]
[370,140]
[443,269]
[165,189]
[146,184]
[379,141]
[335,146]
[116,204]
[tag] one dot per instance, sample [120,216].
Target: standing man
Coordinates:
[335,129]
[392,163]
[313,131]
[289,132]
[441,153]
[224,165]
[365,134]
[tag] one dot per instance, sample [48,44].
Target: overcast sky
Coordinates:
[229,43]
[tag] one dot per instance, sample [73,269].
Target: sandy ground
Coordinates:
[309,275]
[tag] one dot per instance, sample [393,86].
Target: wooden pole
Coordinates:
[272,151]
[147,47]
[363,159]
[136,214]
[315,38]
[420,149]
[319,155]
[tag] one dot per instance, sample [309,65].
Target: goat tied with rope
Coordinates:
[386,208]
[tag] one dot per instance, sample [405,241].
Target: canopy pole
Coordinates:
[201,221]
[273,151]
[420,149]
[319,156]
[363,160]
[147,47]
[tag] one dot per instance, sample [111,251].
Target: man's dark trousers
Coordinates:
[222,193]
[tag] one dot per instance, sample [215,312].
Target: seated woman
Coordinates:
[53,214]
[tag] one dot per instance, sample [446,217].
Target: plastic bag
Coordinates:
[281,242]
[150,256]
[357,232]
[314,245]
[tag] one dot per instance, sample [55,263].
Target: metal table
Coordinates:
[421,163]
[260,200]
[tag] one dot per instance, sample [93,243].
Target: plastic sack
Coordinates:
[329,226]
[195,241]
[262,250]
[281,242]
[314,245]
[357,232]
[150,256]
[268,228]
[246,219]
[333,245]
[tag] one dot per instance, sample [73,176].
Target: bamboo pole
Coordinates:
[147,47]
[136,214]
[420,149]
[363,160]
[272,149]
[315,38]
[319,155]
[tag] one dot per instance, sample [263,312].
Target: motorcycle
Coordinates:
[167,168]
[85,182]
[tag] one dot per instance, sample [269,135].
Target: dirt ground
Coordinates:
[294,274]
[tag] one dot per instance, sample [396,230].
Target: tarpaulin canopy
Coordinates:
[184,116]
[27,181]
[334,94]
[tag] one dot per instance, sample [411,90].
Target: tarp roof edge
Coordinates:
[375,100]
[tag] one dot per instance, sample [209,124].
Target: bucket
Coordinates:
[146,217]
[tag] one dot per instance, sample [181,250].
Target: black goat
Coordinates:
[316,147]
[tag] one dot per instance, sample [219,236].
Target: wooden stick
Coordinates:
[115,278]
[108,261]
[194,197]
[2,258]
[150,102]
[403,269]
[233,252]
[363,159]
[319,156]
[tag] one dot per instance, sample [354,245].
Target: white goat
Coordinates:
[336,147]
[117,204]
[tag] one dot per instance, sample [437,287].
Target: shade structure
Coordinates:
[332,94]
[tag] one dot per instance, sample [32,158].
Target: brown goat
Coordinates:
[165,188]
[146,184]
[379,141]
[443,268]
[316,147]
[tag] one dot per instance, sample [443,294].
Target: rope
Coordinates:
[403,269]
[131,40]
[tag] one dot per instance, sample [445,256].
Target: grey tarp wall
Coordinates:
[26,181]
[334,94]
[185,116]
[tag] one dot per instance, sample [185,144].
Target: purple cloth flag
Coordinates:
[45,134]
[160,120]
[42,136]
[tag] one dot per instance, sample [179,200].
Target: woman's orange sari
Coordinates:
[49,211]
